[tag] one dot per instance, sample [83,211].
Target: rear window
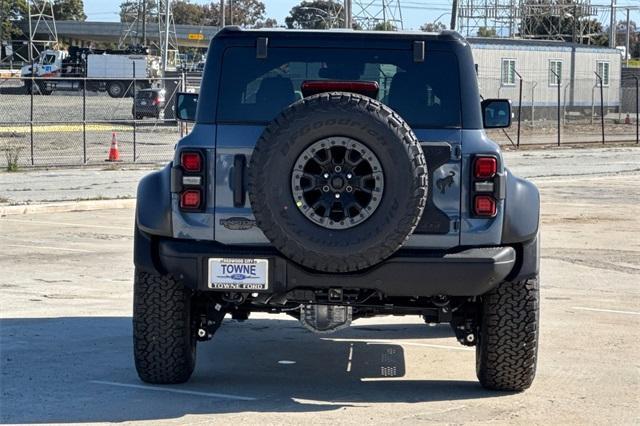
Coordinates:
[425,94]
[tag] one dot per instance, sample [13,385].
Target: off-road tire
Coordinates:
[507,348]
[164,341]
[368,122]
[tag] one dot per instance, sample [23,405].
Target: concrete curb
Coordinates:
[68,206]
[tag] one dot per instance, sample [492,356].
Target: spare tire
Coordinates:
[337,182]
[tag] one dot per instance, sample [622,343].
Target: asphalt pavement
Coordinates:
[65,327]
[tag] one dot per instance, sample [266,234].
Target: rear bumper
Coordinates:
[470,272]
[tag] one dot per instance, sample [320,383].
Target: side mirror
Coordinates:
[496,113]
[186,104]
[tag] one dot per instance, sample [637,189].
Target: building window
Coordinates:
[508,75]
[602,68]
[555,72]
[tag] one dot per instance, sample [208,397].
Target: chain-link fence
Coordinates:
[572,112]
[46,122]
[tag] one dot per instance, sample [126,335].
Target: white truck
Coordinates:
[110,71]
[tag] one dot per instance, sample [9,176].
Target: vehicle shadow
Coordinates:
[80,369]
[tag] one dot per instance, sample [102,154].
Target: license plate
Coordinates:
[238,274]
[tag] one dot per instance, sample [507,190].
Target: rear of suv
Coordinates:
[149,103]
[334,176]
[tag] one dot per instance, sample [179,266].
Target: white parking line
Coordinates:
[47,248]
[75,225]
[402,343]
[581,308]
[173,390]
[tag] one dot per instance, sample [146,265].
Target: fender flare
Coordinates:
[153,203]
[521,226]
[521,210]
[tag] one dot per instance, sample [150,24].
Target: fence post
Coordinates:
[31,114]
[559,103]
[84,119]
[183,88]
[637,110]
[533,103]
[135,126]
[601,105]
[519,109]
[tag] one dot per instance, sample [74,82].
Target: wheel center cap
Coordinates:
[337,182]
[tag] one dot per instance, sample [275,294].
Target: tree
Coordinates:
[131,9]
[11,13]
[69,10]
[486,32]
[243,12]
[185,12]
[634,37]
[316,14]
[433,27]
[384,26]
[268,23]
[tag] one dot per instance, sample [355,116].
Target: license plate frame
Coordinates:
[238,274]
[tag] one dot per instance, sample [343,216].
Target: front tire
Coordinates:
[164,339]
[507,348]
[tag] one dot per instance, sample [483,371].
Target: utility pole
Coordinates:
[222,19]
[347,14]
[454,14]
[626,51]
[144,23]
[612,25]
[165,52]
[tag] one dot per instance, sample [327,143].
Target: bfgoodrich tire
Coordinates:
[337,182]
[164,340]
[507,348]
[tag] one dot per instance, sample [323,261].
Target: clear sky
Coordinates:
[415,12]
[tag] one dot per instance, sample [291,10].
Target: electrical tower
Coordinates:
[530,19]
[369,14]
[167,31]
[557,20]
[42,27]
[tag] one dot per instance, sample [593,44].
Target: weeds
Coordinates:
[12,154]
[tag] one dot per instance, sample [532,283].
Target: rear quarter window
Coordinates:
[426,94]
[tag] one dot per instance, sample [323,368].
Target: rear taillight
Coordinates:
[485,188]
[485,167]
[191,180]
[191,162]
[484,205]
[191,199]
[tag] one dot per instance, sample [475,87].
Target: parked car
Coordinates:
[149,103]
[334,176]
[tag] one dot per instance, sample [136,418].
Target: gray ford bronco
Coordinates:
[334,176]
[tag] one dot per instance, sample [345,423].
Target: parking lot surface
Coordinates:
[66,349]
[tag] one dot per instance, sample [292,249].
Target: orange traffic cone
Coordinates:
[114,153]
